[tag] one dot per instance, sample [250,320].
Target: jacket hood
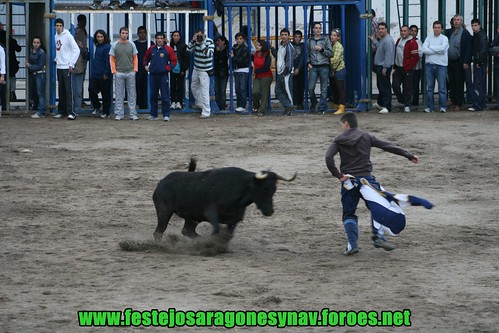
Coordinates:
[349,137]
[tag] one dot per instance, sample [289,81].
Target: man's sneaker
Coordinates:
[196,107]
[159,4]
[397,105]
[166,118]
[114,5]
[95,6]
[204,116]
[379,242]
[349,251]
[96,112]
[428,110]
[134,117]
[72,117]
[240,109]
[407,109]
[118,118]
[443,110]
[128,5]
[149,117]
[289,110]
[58,116]
[104,116]
[37,116]
[377,106]
[384,111]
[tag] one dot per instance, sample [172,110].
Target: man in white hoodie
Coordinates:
[66,55]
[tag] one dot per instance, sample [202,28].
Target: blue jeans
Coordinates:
[241,88]
[322,73]
[440,74]
[39,84]
[78,89]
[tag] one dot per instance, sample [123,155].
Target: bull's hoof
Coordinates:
[158,237]
[190,233]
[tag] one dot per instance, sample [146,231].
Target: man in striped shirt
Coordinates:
[203,48]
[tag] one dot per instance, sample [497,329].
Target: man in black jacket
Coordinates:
[480,58]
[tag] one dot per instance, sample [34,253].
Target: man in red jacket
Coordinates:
[406,59]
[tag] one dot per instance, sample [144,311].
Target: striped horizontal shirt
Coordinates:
[203,54]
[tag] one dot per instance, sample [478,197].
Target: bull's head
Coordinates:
[263,189]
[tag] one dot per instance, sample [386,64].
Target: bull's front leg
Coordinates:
[189,229]
[213,217]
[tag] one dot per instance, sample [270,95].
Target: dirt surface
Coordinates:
[72,192]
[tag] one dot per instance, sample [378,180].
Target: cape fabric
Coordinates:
[386,207]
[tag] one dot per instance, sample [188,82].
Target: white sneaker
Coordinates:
[240,109]
[204,116]
[96,112]
[37,116]
[149,117]
[427,110]
[384,111]
[407,109]
[472,109]
[58,116]
[72,117]
[104,116]
[134,117]
[118,118]
[377,106]
[166,118]
[443,110]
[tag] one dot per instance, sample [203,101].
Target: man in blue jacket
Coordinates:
[159,60]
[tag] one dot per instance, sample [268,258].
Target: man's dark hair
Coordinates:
[475,20]
[414,27]
[81,18]
[141,28]
[349,118]
[123,29]
[284,30]
[383,24]
[298,33]
[159,34]
[59,20]
[438,23]
[240,34]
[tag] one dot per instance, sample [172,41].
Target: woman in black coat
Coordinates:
[177,75]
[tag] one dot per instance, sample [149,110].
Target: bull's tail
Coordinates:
[192,164]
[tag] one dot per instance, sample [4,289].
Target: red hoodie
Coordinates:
[410,60]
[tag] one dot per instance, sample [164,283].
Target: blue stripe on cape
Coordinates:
[386,207]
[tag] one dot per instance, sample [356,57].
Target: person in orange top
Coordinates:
[263,77]
[124,64]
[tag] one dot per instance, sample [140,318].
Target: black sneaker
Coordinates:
[379,242]
[348,252]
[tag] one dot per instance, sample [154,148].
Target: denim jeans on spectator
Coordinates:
[241,82]
[439,73]
[318,72]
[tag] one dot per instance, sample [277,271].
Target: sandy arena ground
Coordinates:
[71,192]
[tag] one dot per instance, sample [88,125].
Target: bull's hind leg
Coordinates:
[164,215]
[189,229]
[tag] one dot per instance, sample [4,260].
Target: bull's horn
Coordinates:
[261,175]
[287,179]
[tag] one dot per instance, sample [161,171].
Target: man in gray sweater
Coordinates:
[383,62]
[354,147]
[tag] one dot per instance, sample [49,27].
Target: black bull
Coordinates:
[219,196]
